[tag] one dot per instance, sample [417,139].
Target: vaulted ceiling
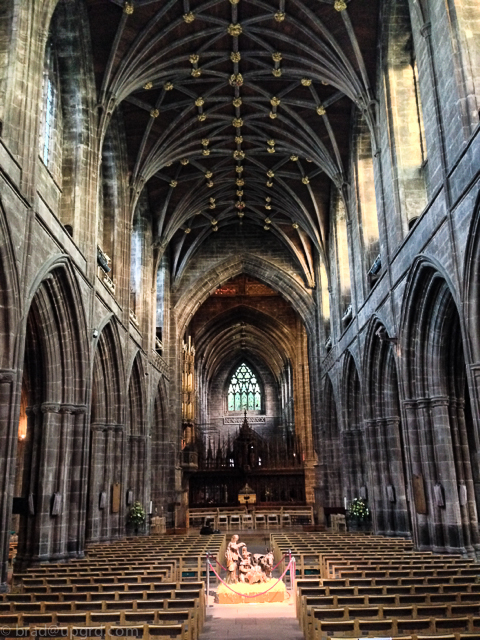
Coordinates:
[236,110]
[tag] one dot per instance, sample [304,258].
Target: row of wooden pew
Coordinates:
[160,557]
[133,588]
[314,552]
[363,592]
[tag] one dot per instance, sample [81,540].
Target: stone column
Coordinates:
[451,537]
[96,477]
[47,447]
[7,447]
[375,476]
[78,488]
[469,510]
[118,474]
[420,531]
[401,525]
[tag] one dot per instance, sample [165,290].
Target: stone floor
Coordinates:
[273,621]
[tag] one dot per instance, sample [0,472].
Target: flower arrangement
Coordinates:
[136,515]
[358,509]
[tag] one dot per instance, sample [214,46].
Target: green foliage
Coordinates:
[136,515]
[358,509]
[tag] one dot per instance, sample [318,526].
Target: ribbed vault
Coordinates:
[244,332]
[236,109]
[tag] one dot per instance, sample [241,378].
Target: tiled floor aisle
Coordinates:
[274,621]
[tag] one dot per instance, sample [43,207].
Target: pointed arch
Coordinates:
[443,439]
[384,435]
[136,433]
[353,440]
[244,391]
[164,443]
[56,361]
[330,449]
[9,294]
[471,286]
[408,147]
[191,299]
[105,520]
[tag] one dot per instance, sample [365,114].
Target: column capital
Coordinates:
[50,407]
[7,376]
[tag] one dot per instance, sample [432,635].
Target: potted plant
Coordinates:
[136,517]
[358,515]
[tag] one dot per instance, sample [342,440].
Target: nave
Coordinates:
[347,585]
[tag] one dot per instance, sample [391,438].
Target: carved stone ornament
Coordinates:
[7,376]
[235,30]
[50,407]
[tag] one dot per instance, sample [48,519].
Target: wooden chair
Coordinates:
[235,522]
[272,520]
[260,520]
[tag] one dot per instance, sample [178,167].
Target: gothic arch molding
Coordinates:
[136,436]
[471,288]
[107,437]
[352,433]
[9,294]
[442,440]
[383,433]
[197,293]
[330,450]
[56,361]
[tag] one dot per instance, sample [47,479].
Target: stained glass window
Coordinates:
[244,391]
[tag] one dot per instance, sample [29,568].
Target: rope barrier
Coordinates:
[273,568]
[256,595]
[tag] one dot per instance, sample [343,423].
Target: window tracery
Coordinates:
[244,391]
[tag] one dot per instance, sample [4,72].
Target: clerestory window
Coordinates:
[244,391]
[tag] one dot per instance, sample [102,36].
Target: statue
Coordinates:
[232,555]
[245,564]
[250,572]
[247,567]
[266,562]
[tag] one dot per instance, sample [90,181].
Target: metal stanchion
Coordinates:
[293,575]
[208,579]
[289,561]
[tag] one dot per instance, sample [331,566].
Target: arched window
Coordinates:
[51,132]
[409,147]
[244,391]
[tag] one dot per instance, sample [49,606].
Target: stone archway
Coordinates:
[353,436]
[106,503]
[136,440]
[330,453]
[163,460]
[383,430]
[441,434]
[50,476]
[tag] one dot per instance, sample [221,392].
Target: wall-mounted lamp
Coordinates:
[95,333]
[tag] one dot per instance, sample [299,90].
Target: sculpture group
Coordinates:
[247,567]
